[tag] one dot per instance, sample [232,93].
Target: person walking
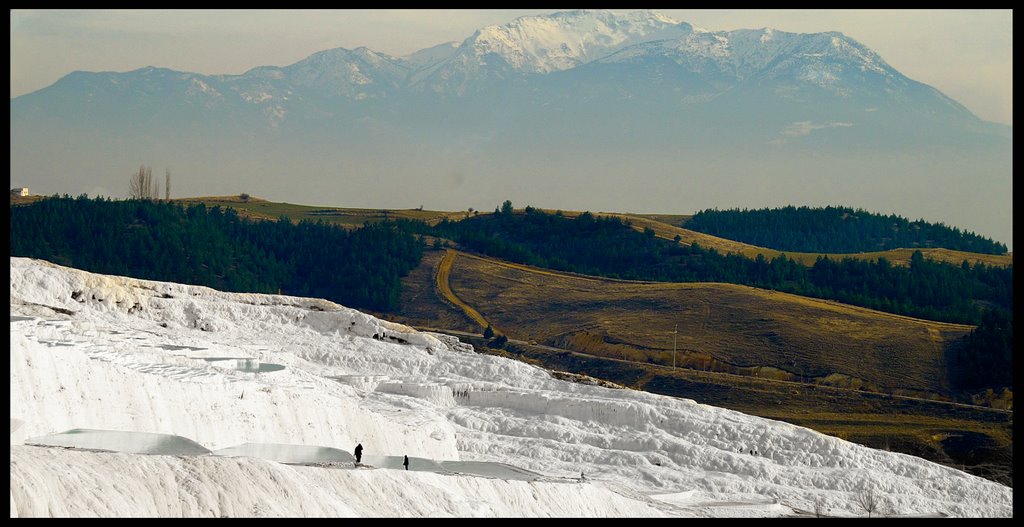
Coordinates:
[359,452]
[406,463]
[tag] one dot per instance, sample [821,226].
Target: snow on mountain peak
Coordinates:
[347,72]
[541,44]
[559,41]
[816,58]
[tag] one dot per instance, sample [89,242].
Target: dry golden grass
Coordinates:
[922,427]
[902,257]
[670,219]
[422,305]
[669,230]
[257,208]
[441,281]
[25,200]
[722,327]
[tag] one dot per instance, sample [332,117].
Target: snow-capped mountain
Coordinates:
[543,44]
[551,101]
[785,64]
[523,53]
[819,59]
[140,398]
[354,74]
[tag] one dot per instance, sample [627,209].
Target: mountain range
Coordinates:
[587,109]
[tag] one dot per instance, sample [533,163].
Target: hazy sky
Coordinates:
[967,54]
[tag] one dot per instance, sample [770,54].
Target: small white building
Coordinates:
[23,191]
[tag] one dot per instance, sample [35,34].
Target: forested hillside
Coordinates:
[834,230]
[214,247]
[608,247]
[985,358]
[362,268]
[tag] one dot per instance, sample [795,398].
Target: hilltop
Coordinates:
[665,226]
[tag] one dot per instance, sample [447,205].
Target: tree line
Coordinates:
[362,268]
[214,247]
[834,230]
[985,357]
[608,246]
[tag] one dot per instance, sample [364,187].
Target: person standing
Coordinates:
[406,463]
[359,452]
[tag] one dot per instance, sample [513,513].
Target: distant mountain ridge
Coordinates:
[538,46]
[550,101]
[534,46]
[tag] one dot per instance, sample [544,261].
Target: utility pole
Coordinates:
[674,332]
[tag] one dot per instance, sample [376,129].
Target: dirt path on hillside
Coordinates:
[444,270]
